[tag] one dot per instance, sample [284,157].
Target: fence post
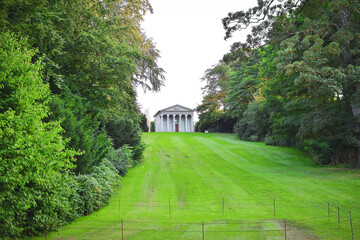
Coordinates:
[285,229]
[274,209]
[329,211]
[203,231]
[351,226]
[122,230]
[223,206]
[339,216]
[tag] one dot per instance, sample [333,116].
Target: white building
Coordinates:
[174,119]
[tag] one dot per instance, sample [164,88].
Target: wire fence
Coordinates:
[222,219]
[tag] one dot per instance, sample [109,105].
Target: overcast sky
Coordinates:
[190,38]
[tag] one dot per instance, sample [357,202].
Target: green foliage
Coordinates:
[91,55]
[244,82]
[82,129]
[320,151]
[217,122]
[126,132]
[121,159]
[34,160]
[94,190]
[212,112]
[295,81]
[254,124]
[143,123]
[152,126]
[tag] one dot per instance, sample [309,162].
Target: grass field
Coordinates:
[213,186]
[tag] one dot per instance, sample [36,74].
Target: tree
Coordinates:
[212,112]
[143,123]
[126,132]
[92,54]
[34,161]
[244,81]
[83,129]
[315,78]
[95,53]
[152,127]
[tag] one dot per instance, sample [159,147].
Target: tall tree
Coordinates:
[317,69]
[95,53]
[33,159]
[212,109]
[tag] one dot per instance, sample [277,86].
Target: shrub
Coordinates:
[152,126]
[253,138]
[277,140]
[319,151]
[254,123]
[94,190]
[126,132]
[121,159]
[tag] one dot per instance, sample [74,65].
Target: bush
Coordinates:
[254,124]
[222,124]
[126,132]
[152,126]
[253,138]
[277,140]
[143,123]
[94,190]
[319,151]
[106,175]
[121,159]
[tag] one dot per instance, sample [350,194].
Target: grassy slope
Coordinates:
[197,171]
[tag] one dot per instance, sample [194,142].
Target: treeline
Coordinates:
[294,82]
[69,122]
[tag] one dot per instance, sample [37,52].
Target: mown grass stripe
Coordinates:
[195,172]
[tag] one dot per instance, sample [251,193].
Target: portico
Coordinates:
[174,119]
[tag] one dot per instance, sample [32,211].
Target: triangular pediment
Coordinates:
[175,108]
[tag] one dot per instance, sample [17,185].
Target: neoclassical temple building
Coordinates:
[174,119]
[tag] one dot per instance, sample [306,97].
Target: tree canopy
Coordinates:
[70,124]
[295,80]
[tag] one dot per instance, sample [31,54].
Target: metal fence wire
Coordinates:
[273,219]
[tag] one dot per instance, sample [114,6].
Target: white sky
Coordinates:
[190,37]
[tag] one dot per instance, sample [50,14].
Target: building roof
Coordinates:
[175,108]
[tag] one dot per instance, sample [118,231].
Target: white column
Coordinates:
[173,122]
[192,124]
[186,123]
[189,122]
[169,130]
[180,123]
[167,122]
[157,126]
[161,123]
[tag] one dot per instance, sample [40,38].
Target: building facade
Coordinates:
[174,119]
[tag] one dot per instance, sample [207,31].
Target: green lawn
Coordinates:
[240,190]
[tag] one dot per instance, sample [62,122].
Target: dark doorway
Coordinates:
[176,128]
